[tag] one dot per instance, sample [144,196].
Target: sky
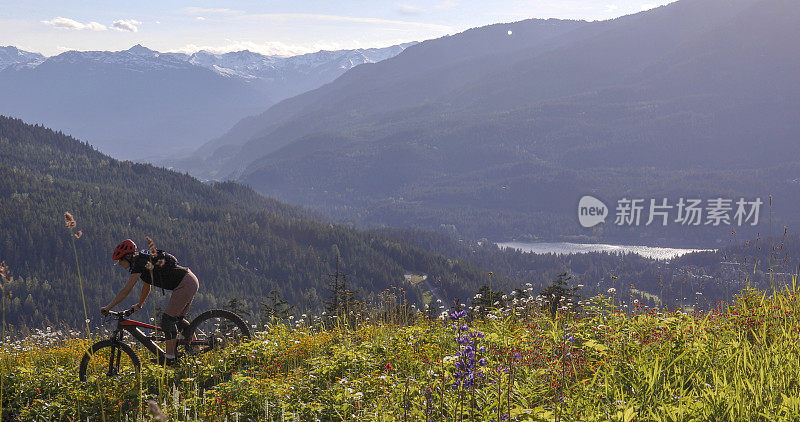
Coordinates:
[285,27]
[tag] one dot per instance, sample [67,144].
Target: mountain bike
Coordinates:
[113,359]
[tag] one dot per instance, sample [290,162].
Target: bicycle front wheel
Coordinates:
[215,329]
[111,363]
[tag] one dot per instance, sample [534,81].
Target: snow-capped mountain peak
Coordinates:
[12,56]
[244,64]
[249,65]
[169,100]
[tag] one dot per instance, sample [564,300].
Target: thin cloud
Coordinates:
[266,48]
[408,10]
[129,25]
[66,23]
[446,4]
[211,11]
[272,48]
[283,17]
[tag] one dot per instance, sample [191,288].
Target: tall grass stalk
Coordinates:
[70,224]
[4,279]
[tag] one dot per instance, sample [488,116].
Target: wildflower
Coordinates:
[466,357]
[155,411]
[78,234]
[4,273]
[612,291]
[69,221]
[151,246]
[456,315]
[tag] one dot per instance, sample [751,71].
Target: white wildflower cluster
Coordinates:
[41,338]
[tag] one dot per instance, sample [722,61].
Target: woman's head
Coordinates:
[123,252]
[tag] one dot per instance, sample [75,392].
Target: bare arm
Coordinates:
[122,293]
[143,296]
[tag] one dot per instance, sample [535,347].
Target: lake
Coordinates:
[564,248]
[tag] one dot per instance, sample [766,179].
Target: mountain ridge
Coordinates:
[696,88]
[225,64]
[164,103]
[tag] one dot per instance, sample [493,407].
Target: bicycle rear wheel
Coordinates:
[110,362]
[214,329]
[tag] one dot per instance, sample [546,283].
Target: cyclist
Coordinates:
[160,270]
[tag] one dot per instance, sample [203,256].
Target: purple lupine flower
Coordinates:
[467,362]
[456,315]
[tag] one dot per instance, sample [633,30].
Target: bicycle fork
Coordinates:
[116,354]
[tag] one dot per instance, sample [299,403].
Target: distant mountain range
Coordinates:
[142,103]
[498,131]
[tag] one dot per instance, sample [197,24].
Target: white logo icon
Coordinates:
[591,211]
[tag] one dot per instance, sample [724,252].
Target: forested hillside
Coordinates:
[240,244]
[696,280]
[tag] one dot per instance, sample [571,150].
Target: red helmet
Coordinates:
[123,249]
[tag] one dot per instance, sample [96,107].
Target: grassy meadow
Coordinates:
[593,362]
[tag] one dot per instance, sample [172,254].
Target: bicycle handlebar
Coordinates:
[124,314]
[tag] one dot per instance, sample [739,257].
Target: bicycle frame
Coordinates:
[148,341]
[133,327]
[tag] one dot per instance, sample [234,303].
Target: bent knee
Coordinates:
[169,325]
